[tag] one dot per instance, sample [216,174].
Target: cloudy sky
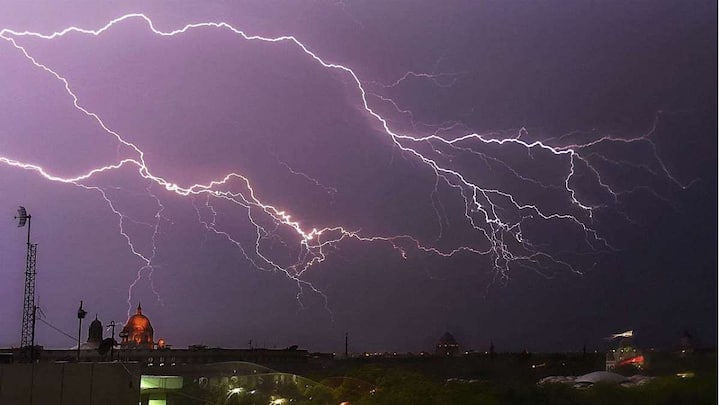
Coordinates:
[535,175]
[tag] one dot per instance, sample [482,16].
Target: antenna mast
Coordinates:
[27,339]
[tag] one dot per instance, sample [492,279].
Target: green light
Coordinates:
[148,382]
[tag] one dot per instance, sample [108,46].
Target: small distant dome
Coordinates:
[95,333]
[448,339]
[138,332]
[447,345]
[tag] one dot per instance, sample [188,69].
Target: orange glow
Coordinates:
[637,360]
[137,332]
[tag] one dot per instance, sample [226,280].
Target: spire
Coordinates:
[139,310]
[95,333]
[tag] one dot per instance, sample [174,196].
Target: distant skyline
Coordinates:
[536,175]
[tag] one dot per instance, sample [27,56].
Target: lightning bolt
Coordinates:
[495,216]
[439,79]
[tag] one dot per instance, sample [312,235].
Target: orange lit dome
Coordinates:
[138,332]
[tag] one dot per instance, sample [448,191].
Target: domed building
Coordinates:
[95,336]
[137,333]
[95,333]
[447,346]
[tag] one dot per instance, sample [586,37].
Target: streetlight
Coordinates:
[81,315]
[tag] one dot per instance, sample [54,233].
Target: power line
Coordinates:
[57,329]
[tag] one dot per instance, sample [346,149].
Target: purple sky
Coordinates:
[583,203]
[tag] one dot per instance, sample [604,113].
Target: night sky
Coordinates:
[536,174]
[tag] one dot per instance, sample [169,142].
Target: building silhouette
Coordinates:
[447,345]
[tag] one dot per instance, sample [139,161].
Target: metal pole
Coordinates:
[32,339]
[80,314]
[112,347]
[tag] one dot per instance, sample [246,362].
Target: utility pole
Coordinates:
[27,338]
[32,339]
[81,315]
[112,348]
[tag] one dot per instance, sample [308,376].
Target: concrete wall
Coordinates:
[70,384]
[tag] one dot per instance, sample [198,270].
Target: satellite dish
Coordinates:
[22,216]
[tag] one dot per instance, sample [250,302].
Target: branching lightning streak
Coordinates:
[435,78]
[328,189]
[149,261]
[482,205]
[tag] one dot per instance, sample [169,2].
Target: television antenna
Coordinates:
[27,339]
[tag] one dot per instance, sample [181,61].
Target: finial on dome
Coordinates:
[139,310]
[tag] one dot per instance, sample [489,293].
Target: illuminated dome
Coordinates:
[137,333]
